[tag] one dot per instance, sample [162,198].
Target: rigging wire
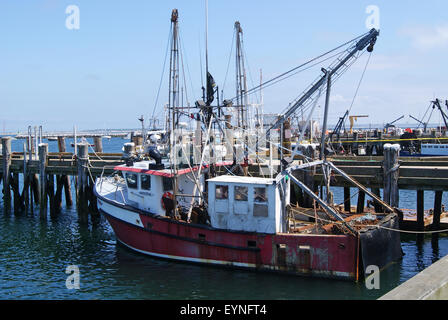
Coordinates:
[228,65]
[263,85]
[360,81]
[248,67]
[186,62]
[200,62]
[359,85]
[163,72]
[181,51]
[307,105]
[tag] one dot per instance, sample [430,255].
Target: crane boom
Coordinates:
[387,126]
[444,116]
[368,40]
[419,121]
[339,125]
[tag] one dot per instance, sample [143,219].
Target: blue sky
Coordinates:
[106,74]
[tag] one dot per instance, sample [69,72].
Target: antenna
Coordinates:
[206,45]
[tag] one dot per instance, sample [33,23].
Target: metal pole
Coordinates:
[206,48]
[75,142]
[324,128]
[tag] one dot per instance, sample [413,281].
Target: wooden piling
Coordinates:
[361,201]
[377,206]
[81,188]
[420,210]
[437,210]
[93,205]
[391,174]
[58,194]
[63,181]
[35,186]
[347,200]
[26,177]
[43,152]
[67,191]
[98,143]
[6,145]
[18,204]
[51,195]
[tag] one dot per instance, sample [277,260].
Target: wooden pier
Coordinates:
[47,175]
[391,174]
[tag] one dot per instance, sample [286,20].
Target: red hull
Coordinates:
[333,256]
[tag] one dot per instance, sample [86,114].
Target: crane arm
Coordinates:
[367,41]
[338,127]
[444,116]
[419,121]
[391,124]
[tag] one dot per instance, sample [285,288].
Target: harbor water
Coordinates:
[35,254]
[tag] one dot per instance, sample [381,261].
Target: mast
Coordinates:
[174,99]
[206,45]
[241,83]
[210,84]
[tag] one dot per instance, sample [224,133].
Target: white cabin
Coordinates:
[145,188]
[247,204]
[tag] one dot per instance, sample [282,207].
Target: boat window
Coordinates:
[222,192]
[131,179]
[261,210]
[167,184]
[260,203]
[241,193]
[260,195]
[145,182]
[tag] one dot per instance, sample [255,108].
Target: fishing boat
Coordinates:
[412,147]
[200,205]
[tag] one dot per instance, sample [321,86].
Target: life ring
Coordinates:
[166,195]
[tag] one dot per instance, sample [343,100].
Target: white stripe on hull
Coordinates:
[196,260]
[121,214]
[342,275]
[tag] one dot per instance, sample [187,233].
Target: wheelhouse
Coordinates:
[246,204]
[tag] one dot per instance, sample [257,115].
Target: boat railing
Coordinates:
[112,179]
[102,174]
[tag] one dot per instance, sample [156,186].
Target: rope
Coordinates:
[373,226]
[95,153]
